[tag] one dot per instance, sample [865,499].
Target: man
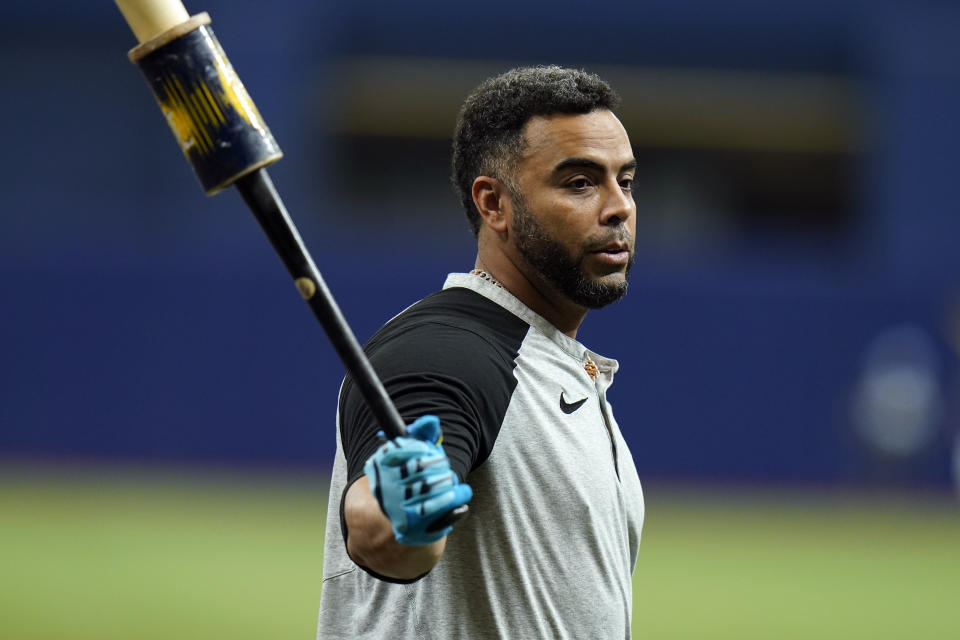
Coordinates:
[544,170]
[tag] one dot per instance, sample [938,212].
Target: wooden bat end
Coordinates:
[150,18]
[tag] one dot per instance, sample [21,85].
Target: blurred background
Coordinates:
[789,348]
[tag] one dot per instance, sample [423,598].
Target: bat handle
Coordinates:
[261,196]
[448,519]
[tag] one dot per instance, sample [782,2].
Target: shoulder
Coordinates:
[451,355]
[446,329]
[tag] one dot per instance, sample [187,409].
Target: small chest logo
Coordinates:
[570,407]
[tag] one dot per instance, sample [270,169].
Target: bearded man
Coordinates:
[544,170]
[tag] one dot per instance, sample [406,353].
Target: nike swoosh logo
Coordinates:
[570,407]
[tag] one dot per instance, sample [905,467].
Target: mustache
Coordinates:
[617,234]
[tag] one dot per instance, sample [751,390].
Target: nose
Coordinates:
[618,206]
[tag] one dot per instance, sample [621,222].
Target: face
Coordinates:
[574,218]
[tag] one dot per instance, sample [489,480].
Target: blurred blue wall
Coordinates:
[142,320]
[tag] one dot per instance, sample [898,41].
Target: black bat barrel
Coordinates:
[209,111]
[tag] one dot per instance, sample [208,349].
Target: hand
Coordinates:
[411,479]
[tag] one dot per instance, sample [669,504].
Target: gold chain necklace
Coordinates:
[486,276]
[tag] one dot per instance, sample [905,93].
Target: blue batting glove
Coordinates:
[411,479]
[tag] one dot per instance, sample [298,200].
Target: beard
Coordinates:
[561,270]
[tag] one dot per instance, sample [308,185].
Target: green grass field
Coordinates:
[106,553]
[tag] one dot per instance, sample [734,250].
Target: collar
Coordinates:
[511,303]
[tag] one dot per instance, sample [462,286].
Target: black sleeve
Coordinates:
[454,373]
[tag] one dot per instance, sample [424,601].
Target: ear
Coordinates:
[492,201]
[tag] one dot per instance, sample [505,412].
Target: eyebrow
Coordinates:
[587,163]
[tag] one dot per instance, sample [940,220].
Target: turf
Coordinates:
[798,565]
[160,555]
[106,554]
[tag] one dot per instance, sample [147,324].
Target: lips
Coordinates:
[617,253]
[613,247]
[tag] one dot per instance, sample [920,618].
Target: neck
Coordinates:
[533,291]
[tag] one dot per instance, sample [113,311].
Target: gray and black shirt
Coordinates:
[551,541]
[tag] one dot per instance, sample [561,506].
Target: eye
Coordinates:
[626,183]
[579,184]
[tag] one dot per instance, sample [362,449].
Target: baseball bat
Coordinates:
[227,143]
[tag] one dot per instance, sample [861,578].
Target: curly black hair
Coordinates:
[488,139]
